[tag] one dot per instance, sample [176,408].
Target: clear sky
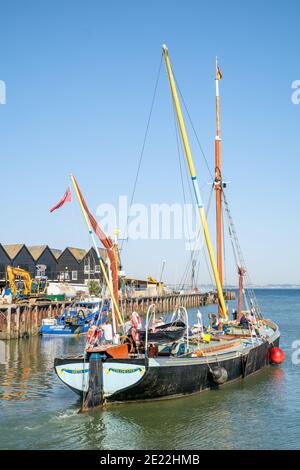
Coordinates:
[79,82]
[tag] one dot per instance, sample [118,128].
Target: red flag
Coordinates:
[67,198]
[107,243]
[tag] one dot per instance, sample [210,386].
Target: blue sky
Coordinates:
[79,79]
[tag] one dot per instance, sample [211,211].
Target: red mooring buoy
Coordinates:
[277,355]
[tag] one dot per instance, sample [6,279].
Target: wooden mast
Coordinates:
[110,288]
[195,183]
[218,185]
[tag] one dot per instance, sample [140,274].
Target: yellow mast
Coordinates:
[195,184]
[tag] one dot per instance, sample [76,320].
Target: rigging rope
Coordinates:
[210,173]
[143,148]
[239,259]
[194,251]
[180,154]
[193,127]
[224,250]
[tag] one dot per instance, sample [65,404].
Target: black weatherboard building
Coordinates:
[21,257]
[74,265]
[45,261]
[70,265]
[4,262]
[77,265]
[91,266]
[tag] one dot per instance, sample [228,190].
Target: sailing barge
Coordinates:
[116,370]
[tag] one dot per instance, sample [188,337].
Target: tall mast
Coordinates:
[218,182]
[88,224]
[195,183]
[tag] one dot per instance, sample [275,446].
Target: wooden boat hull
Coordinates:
[164,377]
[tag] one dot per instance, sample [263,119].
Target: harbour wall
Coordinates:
[24,319]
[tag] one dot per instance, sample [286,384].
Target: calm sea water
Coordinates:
[262,412]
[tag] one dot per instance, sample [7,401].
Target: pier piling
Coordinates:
[24,319]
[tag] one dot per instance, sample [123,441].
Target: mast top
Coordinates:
[164,48]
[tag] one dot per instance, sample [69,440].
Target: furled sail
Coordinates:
[106,242]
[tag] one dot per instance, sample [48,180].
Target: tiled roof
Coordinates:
[78,253]
[102,251]
[13,250]
[36,251]
[56,252]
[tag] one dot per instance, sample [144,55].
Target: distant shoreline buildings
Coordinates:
[74,265]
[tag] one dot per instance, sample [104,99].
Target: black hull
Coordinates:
[167,382]
[174,377]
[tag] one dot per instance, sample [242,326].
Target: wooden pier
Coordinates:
[24,319]
[168,303]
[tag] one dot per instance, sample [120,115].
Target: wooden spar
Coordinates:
[241,272]
[98,254]
[195,184]
[218,185]
[115,248]
[114,325]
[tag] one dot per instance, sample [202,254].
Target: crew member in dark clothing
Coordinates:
[244,322]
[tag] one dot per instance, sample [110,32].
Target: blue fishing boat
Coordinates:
[75,320]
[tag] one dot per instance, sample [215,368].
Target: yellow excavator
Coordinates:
[22,286]
[151,280]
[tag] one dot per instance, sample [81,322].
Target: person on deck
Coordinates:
[244,322]
[107,331]
[136,322]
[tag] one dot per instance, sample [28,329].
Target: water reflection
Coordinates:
[39,412]
[27,365]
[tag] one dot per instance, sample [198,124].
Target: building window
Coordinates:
[41,269]
[74,275]
[97,268]
[86,269]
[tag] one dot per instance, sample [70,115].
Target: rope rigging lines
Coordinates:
[143,147]
[239,258]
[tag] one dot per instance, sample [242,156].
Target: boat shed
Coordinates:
[70,265]
[4,262]
[79,266]
[91,265]
[45,260]
[21,257]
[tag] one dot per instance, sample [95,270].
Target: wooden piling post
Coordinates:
[8,323]
[18,332]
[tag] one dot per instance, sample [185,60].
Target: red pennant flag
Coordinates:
[106,242]
[67,198]
[219,75]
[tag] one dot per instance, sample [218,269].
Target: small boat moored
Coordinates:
[75,320]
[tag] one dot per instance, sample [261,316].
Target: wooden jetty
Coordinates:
[24,319]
